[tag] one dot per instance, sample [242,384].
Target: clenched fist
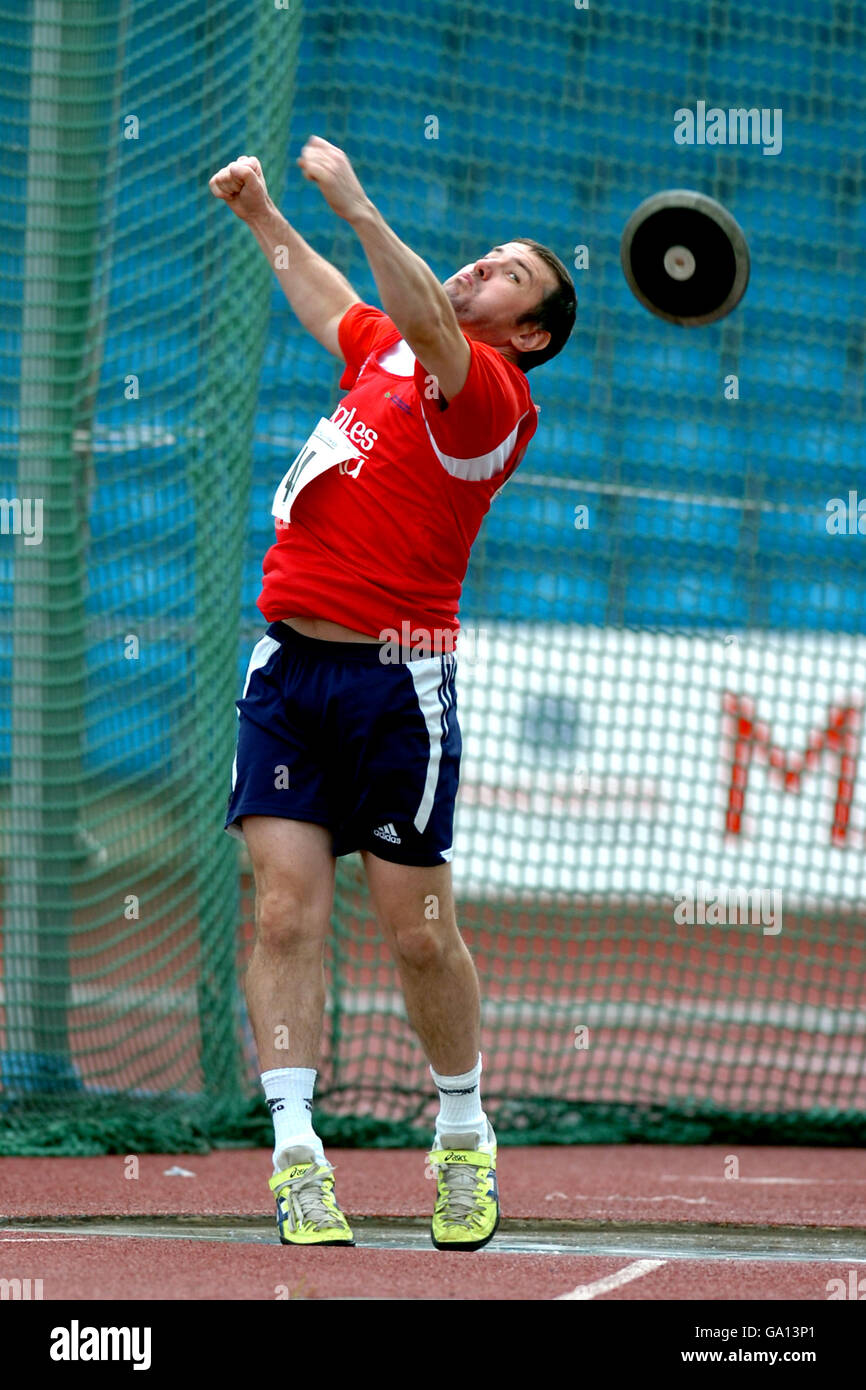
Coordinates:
[329,167]
[242,185]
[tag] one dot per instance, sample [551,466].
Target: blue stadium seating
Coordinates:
[633,422]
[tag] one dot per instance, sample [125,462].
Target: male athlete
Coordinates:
[343,743]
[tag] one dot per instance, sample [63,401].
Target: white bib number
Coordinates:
[326,446]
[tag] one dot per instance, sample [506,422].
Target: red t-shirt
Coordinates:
[384,539]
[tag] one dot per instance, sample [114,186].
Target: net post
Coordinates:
[220,480]
[48,640]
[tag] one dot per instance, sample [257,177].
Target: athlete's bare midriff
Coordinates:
[327,631]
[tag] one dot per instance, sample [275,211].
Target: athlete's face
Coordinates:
[492,293]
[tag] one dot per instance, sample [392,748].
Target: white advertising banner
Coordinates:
[636,764]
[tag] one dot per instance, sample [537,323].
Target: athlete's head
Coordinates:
[519,298]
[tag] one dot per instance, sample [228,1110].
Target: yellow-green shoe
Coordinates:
[307,1211]
[466,1215]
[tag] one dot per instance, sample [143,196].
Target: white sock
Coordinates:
[289,1094]
[460,1103]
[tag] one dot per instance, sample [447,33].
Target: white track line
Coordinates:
[635,1270]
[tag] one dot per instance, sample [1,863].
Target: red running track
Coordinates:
[669,1186]
[633,1182]
[111,1268]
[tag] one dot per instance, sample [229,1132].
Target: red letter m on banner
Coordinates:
[752,738]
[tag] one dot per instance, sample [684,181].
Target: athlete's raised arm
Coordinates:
[317,292]
[411,295]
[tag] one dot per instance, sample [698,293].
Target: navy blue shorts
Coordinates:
[328,733]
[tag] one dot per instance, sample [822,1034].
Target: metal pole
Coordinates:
[221,466]
[43,858]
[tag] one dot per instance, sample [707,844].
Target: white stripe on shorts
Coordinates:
[261,655]
[433,681]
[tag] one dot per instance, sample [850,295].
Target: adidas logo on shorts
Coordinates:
[387,832]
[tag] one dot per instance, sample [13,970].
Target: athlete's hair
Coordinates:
[555,311]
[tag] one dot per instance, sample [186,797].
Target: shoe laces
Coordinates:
[306,1195]
[461,1183]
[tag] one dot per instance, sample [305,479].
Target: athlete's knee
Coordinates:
[420,945]
[286,922]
